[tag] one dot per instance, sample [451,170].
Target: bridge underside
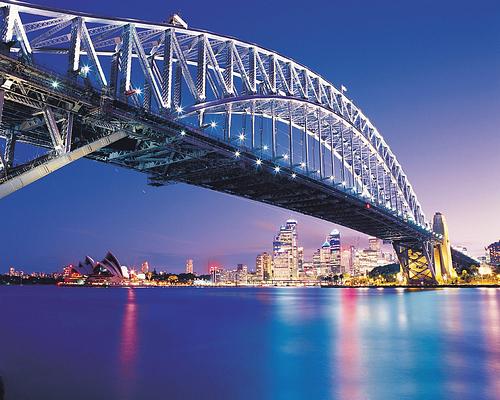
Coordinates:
[82,123]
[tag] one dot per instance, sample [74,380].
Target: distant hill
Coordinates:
[384,270]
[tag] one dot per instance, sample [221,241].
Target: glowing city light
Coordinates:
[242,136]
[302,164]
[285,156]
[237,153]
[258,162]
[294,175]
[277,169]
[332,178]
[55,84]
[265,147]
[178,109]
[138,91]
[183,133]
[213,124]
[85,70]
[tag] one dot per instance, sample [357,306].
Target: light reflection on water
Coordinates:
[188,343]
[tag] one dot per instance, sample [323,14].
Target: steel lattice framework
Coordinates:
[186,105]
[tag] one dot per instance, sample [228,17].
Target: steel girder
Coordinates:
[222,76]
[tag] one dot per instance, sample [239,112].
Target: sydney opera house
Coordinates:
[107,271]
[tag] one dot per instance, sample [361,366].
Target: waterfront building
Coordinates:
[189,266]
[494,253]
[107,271]
[145,267]
[263,266]
[12,271]
[215,274]
[300,261]
[242,274]
[285,252]
[375,244]
[334,241]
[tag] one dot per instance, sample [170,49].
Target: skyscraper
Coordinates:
[285,252]
[263,266]
[189,266]
[334,242]
[494,253]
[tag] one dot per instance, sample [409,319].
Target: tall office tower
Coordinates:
[300,261]
[263,266]
[145,267]
[285,252]
[375,244]
[325,259]
[189,266]
[334,242]
[494,253]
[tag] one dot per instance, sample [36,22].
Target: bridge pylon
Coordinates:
[427,261]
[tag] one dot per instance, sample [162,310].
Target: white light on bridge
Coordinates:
[332,178]
[277,169]
[85,70]
[302,164]
[242,136]
[138,91]
[258,162]
[265,147]
[213,124]
[55,84]
[183,132]
[285,156]
[294,175]
[237,153]
[178,109]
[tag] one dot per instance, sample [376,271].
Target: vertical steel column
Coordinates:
[177,95]
[252,69]
[370,180]
[361,167]
[353,170]
[113,80]
[320,147]
[125,62]
[166,76]
[146,102]
[342,151]
[306,140]
[68,137]
[2,100]
[252,125]
[229,70]
[273,131]
[10,144]
[272,72]
[75,43]
[290,136]
[227,123]
[201,73]
[332,152]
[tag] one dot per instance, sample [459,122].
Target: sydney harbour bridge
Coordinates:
[186,105]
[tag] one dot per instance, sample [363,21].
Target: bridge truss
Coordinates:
[186,105]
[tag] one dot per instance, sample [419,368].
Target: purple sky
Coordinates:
[427,74]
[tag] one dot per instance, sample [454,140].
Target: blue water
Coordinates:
[188,343]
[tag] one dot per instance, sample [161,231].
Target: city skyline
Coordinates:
[164,224]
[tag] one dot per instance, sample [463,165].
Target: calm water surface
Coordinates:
[187,343]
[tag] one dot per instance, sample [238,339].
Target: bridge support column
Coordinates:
[417,263]
[442,251]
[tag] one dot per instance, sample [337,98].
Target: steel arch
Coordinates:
[185,72]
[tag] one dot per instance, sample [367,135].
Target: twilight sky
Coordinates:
[426,73]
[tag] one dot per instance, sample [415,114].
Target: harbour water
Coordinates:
[237,343]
